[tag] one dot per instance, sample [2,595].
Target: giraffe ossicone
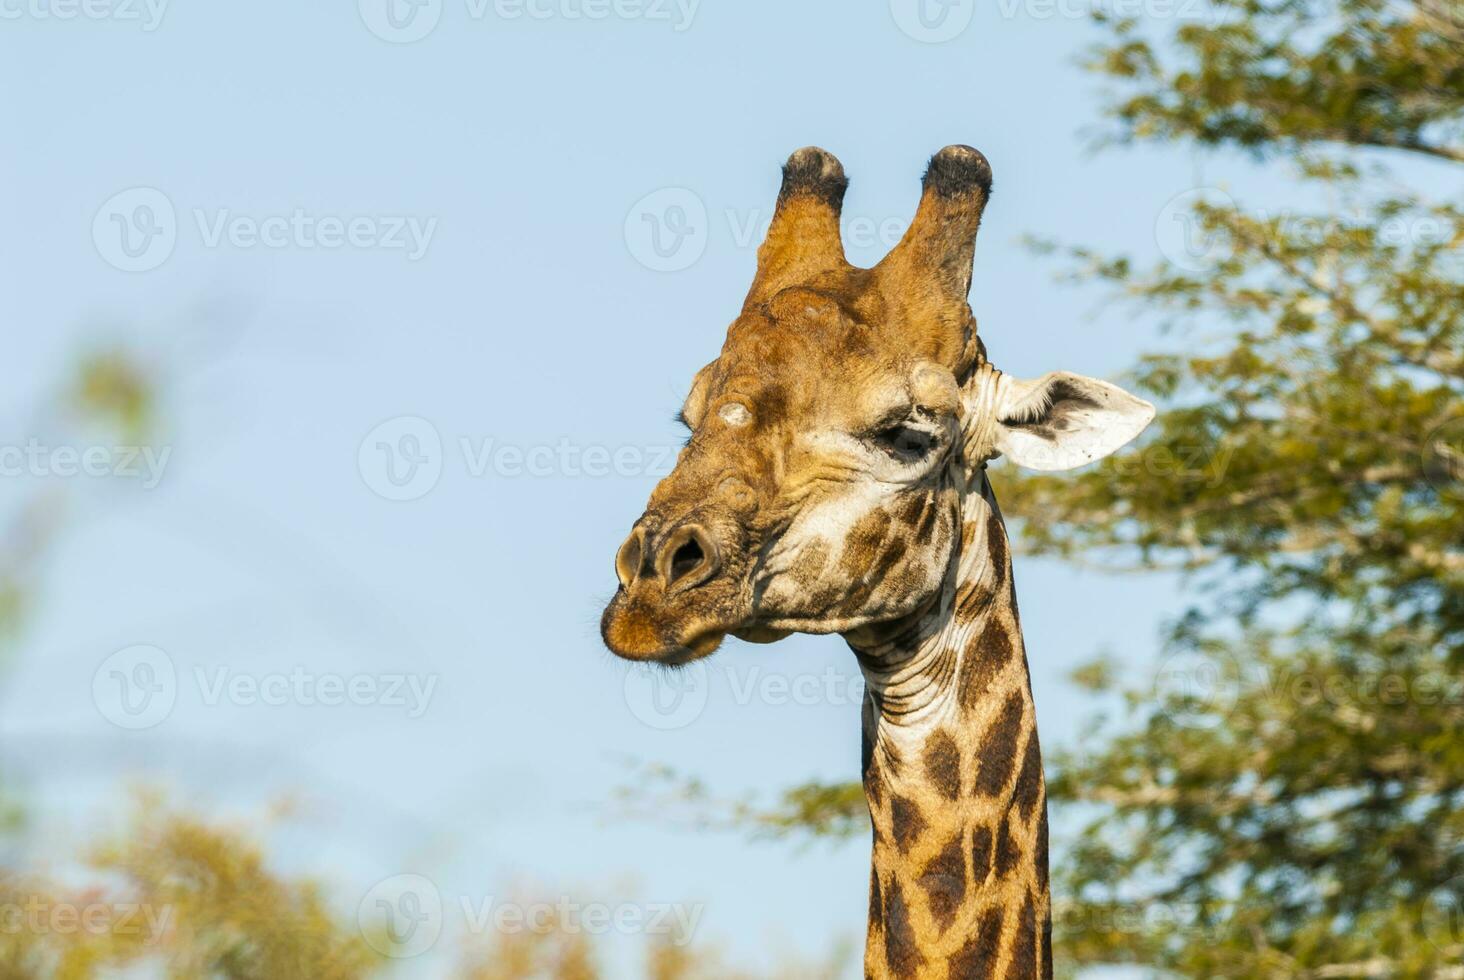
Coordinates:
[835,482]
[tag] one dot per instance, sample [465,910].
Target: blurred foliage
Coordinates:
[811,810]
[1278,76]
[1282,796]
[1283,799]
[10,610]
[555,951]
[182,899]
[109,390]
[113,387]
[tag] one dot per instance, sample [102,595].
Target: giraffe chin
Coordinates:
[632,638]
[761,634]
[699,646]
[688,651]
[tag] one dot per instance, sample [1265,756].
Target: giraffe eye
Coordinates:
[905,442]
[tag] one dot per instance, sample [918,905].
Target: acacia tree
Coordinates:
[1284,800]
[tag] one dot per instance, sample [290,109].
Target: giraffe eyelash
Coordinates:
[905,442]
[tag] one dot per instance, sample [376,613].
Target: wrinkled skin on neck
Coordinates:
[952,770]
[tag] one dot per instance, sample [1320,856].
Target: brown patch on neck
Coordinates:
[944,883]
[977,958]
[901,949]
[943,766]
[999,749]
[984,660]
[906,823]
[1028,792]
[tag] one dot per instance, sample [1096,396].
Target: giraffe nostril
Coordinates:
[688,558]
[628,559]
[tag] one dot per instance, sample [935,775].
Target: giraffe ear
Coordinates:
[1062,421]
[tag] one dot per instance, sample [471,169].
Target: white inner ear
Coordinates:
[1062,421]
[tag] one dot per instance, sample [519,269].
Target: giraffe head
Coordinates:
[835,437]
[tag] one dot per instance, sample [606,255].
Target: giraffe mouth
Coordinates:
[702,645]
[674,655]
[644,631]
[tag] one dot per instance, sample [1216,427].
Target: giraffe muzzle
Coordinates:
[676,600]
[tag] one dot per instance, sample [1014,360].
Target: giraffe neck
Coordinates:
[953,776]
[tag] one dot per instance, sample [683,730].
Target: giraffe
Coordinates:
[834,481]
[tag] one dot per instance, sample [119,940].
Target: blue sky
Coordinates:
[353,243]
